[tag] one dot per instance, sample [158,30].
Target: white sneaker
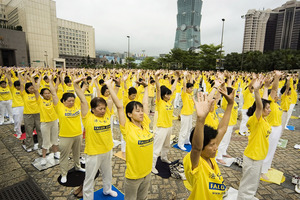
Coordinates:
[154,170]
[80,170]
[111,193]
[182,148]
[27,150]
[36,146]
[63,179]
[57,155]
[43,161]
[19,136]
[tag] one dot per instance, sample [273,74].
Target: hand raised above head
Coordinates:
[202,105]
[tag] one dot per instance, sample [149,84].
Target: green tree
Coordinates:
[149,63]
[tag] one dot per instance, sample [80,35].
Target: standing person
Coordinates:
[274,119]
[151,91]
[258,144]
[286,100]
[99,142]
[139,145]
[164,122]
[187,111]
[5,101]
[70,133]
[49,123]
[17,104]
[31,113]
[200,167]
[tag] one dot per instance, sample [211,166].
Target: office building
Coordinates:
[188,24]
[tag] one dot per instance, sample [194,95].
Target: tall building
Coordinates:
[188,24]
[42,29]
[270,30]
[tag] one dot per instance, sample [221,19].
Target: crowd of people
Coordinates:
[61,104]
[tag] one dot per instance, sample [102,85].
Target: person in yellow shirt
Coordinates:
[5,102]
[31,112]
[99,142]
[151,92]
[258,143]
[286,100]
[17,104]
[164,122]
[178,93]
[274,119]
[201,170]
[49,123]
[139,145]
[186,115]
[294,99]
[70,130]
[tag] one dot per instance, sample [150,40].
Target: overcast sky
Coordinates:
[151,24]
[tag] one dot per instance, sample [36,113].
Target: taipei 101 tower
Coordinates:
[188,24]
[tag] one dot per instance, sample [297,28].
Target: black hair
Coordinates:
[88,78]
[103,89]
[81,85]
[209,134]
[27,85]
[2,82]
[131,105]
[67,80]
[131,91]
[43,90]
[101,81]
[152,81]
[17,83]
[252,109]
[165,76]
[96,101]
[45,78]
[164,91]
[282,90]
[36,78]
[189,85]
[66,96]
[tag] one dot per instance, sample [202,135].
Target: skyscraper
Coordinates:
[188,24]
[270,30]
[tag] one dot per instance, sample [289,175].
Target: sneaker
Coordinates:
[295,179]
[182,148]
[111,193]
[80,170]
[165,160]
[242,134]
[154,170]
[27,150]
[18,136]
[57,155]
[35,146]
[297,146]
[297,187]
[43,161]
[63,179]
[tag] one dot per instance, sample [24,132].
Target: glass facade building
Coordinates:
[188,24]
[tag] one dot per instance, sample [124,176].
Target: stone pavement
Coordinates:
[15,166]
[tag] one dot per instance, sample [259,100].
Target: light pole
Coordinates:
[46,55]
[128,50]
[221,62]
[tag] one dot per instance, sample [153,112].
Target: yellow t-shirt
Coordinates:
[68,89]
[88,97]
[188,103]
[140,93]
[47,113]
[60,91]
[258,140]
[207,183]
[234,112]
[17,100]
[139,149]
[98,137]
[5,94]
[165,113]
[69,119]
[212,120]
[30,103]
[248,99]
[286,101]
[274,118]
[151,90]
[178,87]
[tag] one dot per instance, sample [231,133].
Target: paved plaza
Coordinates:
[15,166]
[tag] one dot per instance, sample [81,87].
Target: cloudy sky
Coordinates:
[151,24]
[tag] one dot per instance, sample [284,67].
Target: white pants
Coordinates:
[177,100]
[222,149]
[92,164]
[5,106]
[18,118]
[250,180]
[123,144]
[155,121]
[289,114]
[284,119]
[112,126]
[273,141]
[185,130]
[161,144]
[243,125]
[241,100]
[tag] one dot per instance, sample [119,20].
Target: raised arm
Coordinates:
[158,98]
[259,106]
[8,76]
[80,94]
[145,99]
[202,106]
[173,87]
[53,90]
[273,93]
[117,102]
[223,125]
[22,81]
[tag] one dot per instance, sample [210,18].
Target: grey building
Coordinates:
[188,24]
[13,50]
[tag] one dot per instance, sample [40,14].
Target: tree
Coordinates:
[148,63]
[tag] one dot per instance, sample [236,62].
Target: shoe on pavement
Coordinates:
[19,136]
[57,155]
[111,193]
[27,150]
[35,146]
[63,179]
[43,161]
[154,170]
[80,170]
[182,148]
[295,179]
[297,187]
